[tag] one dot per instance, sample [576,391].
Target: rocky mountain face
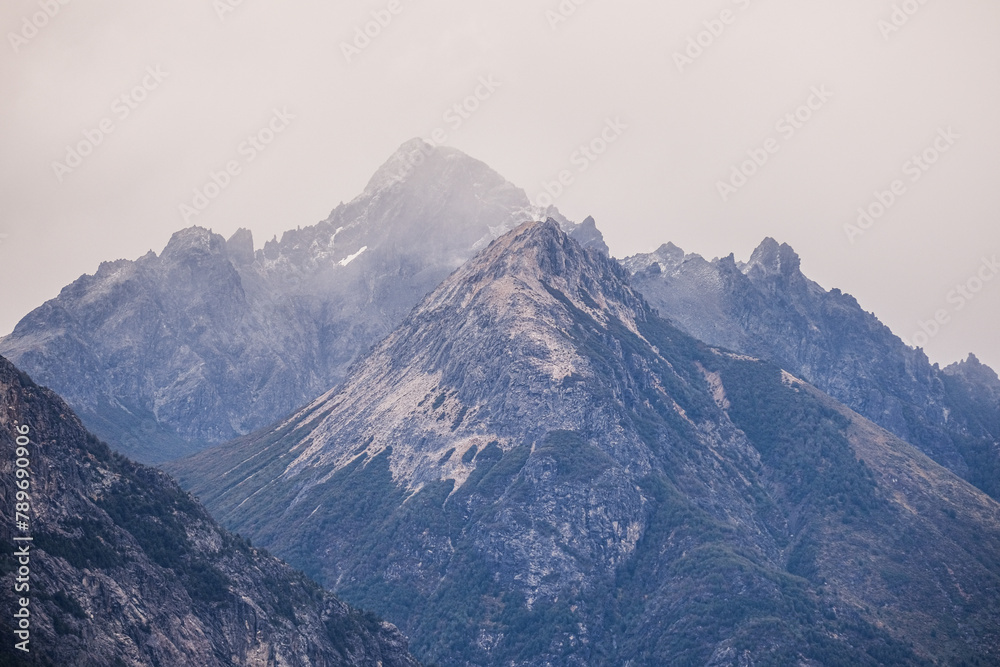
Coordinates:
[123,568]
[212,339]
[535,469]
[767,308]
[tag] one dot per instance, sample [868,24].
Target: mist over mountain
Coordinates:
[212,339]
[534,468]
[767,308]
[514,447]
[125,568]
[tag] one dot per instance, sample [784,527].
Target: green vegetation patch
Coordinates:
[575,457]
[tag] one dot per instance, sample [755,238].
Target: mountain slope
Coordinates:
[535,469]
[126,569]
[212,339]
[769,309]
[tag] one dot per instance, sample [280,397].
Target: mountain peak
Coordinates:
[974,371]
[400,164]
[353,276]
[773,258]
[549,242]
[531,232]
[543,250]
[517,298]
[193,239]
[427,162]
[240,246]
[671,255]
[589,236]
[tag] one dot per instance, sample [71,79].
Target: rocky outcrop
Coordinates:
[125,568]
[767,308]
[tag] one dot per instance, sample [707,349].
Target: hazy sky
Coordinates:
[163,94]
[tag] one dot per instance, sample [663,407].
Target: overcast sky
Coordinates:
[869,87]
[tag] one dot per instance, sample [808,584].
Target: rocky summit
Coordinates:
[115,566]
[766,307]
[535,469]
[214,338]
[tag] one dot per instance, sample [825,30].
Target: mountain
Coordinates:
[123,568]
[212,339]
[535,469]
[768,308]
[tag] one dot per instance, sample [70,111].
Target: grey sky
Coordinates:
[220,80]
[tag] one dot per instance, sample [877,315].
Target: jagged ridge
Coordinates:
[769,309]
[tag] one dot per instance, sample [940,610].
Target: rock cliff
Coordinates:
[124,568]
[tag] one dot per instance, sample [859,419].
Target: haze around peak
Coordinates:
[630,133]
